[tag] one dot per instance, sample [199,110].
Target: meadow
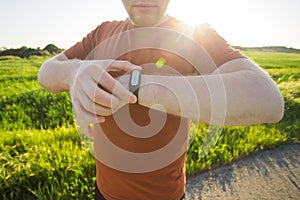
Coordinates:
[42,156]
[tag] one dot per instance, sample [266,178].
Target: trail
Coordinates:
[271,174]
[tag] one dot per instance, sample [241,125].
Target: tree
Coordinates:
[52,49]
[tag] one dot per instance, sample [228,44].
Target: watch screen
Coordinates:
[135,78]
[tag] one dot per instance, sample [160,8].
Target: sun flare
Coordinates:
[189,11]
[229,18]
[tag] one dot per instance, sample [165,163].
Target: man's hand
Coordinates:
[93,85]
[95,93]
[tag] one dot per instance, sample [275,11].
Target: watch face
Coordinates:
[135,76]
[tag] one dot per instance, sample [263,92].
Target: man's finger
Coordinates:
[85,127]
[122,65]
[99,96]
[88,106]
[81,113]
[114,87]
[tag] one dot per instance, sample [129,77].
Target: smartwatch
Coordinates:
[134,82]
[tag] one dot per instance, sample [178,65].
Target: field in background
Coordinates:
[42,156]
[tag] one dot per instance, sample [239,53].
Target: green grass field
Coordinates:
[42,156]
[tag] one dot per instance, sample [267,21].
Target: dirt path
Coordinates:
[272,174]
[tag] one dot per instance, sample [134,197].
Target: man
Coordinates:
[141,122]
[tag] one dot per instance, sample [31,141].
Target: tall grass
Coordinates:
[45,164]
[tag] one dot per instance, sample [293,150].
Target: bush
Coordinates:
[25,52]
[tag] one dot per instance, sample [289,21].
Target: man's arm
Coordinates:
[57,73]
[238,93]
[94,92]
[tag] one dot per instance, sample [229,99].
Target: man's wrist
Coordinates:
[75,65]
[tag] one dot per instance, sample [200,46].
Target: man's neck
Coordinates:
[161,21]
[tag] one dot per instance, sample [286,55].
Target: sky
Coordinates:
[248,23]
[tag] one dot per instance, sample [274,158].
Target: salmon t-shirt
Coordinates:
[140,153]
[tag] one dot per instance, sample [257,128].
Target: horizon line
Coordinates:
[3,48]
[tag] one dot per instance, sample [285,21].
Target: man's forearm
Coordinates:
[241,97]
[56,73]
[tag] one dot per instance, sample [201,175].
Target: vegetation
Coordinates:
[42,156]
[270,49]
[25,52]
[238,142]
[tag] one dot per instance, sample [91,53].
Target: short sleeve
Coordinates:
[82,49]
[216,46]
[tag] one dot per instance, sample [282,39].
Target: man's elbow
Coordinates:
[275,109]
[41,76]
[44,79]
[272,102]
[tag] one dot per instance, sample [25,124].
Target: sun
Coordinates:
[204,11]
[228,17]
[189,11]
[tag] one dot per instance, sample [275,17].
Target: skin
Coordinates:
[92,97]
[252,97]
[145,13]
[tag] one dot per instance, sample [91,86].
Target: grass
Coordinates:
[40,164]
[274,60]
[39,140]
